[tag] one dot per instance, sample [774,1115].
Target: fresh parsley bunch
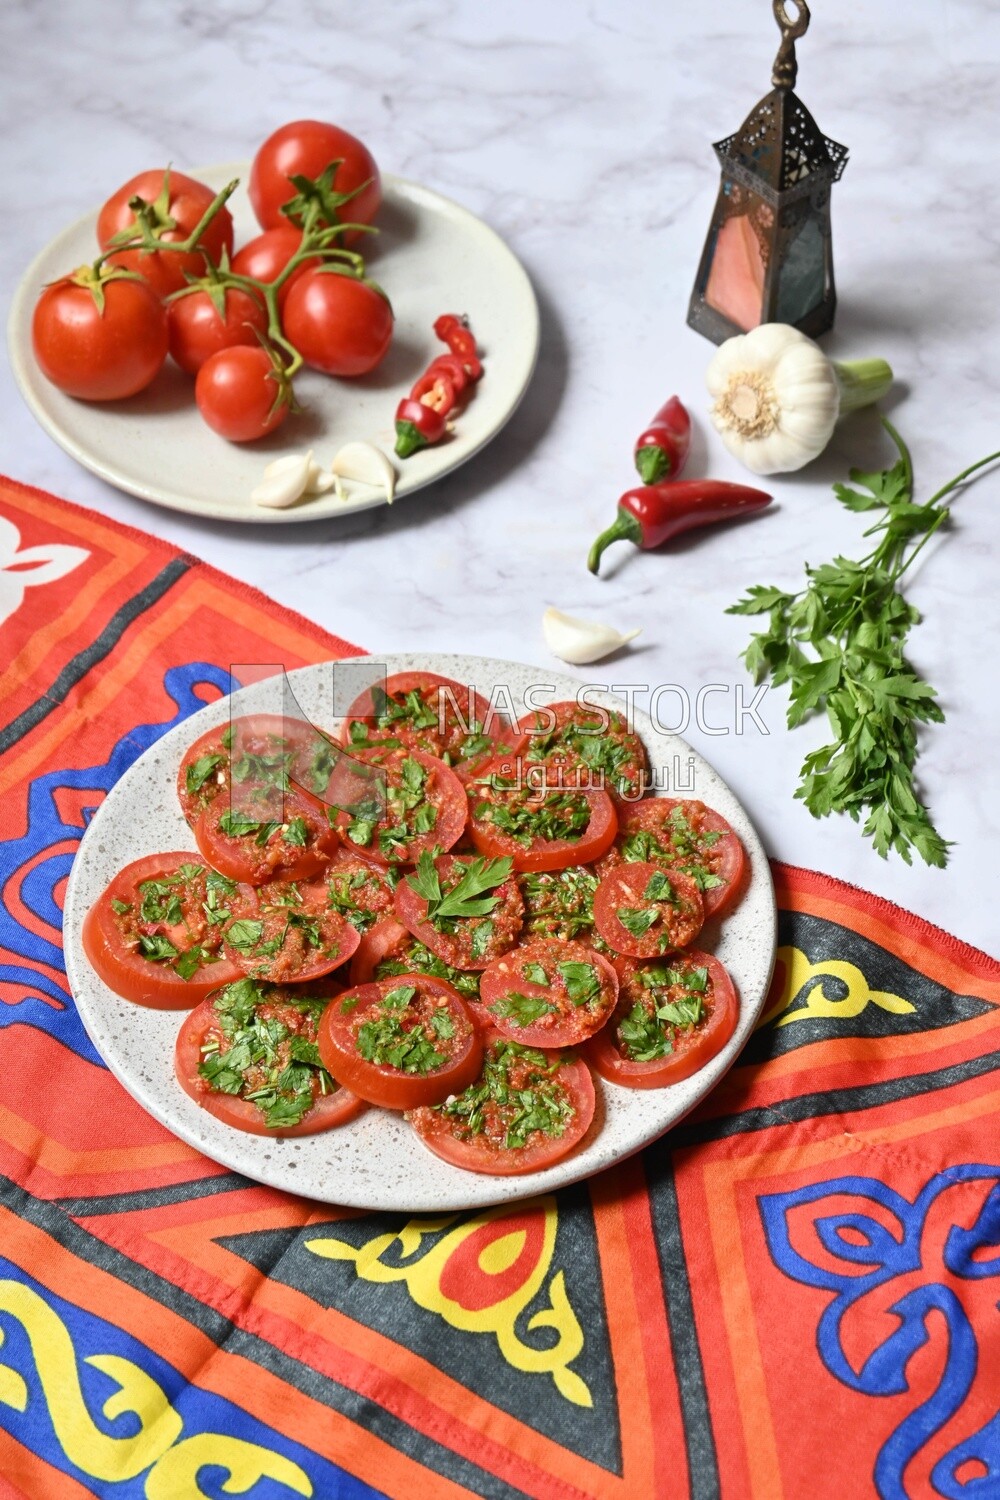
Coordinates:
[840,644]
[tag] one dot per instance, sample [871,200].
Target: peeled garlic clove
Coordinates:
[278,490]
[319,480]
[581,641]
[368,465]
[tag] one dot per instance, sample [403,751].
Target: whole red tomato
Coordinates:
[339,324]
[304,148]
[265,257]
[99,353]
[236,391]
[197,331]
[179,203]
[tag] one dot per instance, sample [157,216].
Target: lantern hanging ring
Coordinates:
[785,69]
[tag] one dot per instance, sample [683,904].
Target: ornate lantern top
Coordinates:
[779,147]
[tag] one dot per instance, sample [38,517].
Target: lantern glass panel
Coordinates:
[735,284]
[802,278]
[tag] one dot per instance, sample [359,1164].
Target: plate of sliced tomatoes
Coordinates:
[366,352]
[419,933]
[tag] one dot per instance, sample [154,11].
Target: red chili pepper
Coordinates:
[435,389]
[653,513]
[452,366]
[417,426]
[456,333]
[663,447]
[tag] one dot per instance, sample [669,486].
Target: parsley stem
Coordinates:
[959,478]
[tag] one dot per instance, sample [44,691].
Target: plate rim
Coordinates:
[489,1191]
[22,368]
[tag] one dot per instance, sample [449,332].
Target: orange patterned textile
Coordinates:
[794,1293]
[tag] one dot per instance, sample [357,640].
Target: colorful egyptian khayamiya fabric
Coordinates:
[795,1294]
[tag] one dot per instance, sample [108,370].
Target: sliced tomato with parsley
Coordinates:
[467,910]
[263,833]
[685,835]
[423,711]
[153,936]
[643,910]
[388,950]
[539,829]
[527,1110]
[257,748]
[249,1055]
[358,889]
[672,1017]
[583,745]
[559,903]
[549,993]
[407,802]
[401,1042]
[285,931]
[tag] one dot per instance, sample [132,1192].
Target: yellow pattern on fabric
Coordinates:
[173,1461]
[804,980]
[423,1278]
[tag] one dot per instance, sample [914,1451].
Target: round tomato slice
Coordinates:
[400,803]
[671,1018]
[401,1042]
[388,950]
[643,910]
[466,910]
[264,748]
[423,711]
[527,1110]
[549,993]
[286,931]
[248,1055]
[583,745]
[358,889]
[685,835]
[540,829]
[151,937]
[266,834]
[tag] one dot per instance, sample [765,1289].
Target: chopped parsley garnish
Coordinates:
[200,770]
[482,936]
[523,817]
[512,1108]
[297,832]
[244,935]
[560,902]
[464,897]
[420,960]
[534,974]
[637,919]
[645,1034]
[281,1065]
[398,1036]
[582,981]
[658,888]
[342,894]
[522,1010]
[121,907]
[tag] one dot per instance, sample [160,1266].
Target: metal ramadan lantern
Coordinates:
[768,257]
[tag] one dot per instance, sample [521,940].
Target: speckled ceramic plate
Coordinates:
[376,1162]
[431,256]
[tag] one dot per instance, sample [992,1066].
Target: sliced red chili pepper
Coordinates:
[456,333]
[653,513]
[456,371]
[436,390]
[662,449]
[417,426]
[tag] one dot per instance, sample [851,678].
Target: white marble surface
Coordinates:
[582,133]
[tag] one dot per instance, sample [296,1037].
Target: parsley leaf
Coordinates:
[522,1009]
[840,646]
[464,897]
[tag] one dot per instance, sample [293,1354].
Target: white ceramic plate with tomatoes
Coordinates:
[376,1161]
[431,256]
